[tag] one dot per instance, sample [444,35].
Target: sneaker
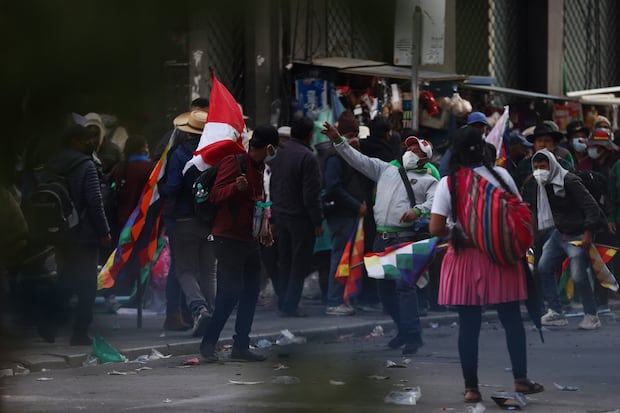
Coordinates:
[553,318]
[396,342]
[590,322]
[342,309]
[208,353]
[412,346]
[201,320]
[246,355]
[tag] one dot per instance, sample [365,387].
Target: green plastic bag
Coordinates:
[105,353]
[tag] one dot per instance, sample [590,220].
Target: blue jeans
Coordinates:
[399,299]
[555,250]
[341,229]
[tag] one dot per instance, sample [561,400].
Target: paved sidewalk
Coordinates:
[121,332]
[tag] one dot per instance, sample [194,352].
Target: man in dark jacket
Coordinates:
[77,254]
[295,192]
[240,223]
[345,192]
[563,201]
[194,260]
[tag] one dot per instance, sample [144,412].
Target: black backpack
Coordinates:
[201,189]
[50,211]
[596,184]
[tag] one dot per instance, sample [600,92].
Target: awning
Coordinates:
[612,89]
[514,92]
[380,69]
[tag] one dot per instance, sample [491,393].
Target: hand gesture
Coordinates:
[242,183]
[330,131]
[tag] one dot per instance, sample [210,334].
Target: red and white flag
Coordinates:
[224,131]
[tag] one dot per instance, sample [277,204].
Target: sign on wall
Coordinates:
[433,31]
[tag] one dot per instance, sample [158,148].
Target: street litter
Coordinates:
[565,388]
[289,338]
[90,361]
[285,380]
[167,401]
[244,382]
[156,355]
[337,382]
[263,343]
[376,332]
[105,353]
[143,368]
[454,324]
[194,361]
[391,365]
[510,400]
[120,373]
[141,359]
[432,324]
[406,361]
[345,337]
[45,379]
[6,373]
[409,396]
[478,408]
[20,370]
[377,377]
[280,366]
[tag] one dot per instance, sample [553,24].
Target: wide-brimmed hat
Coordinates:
[541,130]
[425,145]
[191,122]
[602,137]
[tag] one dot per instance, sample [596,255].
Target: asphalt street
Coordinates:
[341,373]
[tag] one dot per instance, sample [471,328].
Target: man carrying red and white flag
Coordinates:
[224,132]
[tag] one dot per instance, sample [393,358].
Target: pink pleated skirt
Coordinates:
[470,278]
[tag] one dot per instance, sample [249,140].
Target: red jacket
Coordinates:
[235,209]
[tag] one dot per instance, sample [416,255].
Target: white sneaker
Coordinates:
[342,309]
[590,322]
[553,318]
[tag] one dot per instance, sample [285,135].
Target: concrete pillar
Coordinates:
[555,30]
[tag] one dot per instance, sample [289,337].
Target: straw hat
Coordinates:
[191,122]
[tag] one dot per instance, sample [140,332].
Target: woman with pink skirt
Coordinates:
[469,279]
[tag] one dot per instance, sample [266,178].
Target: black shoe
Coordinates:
[246,355]
[47,331]
[208,353]
[201,321]
[412,346]
[81,340]
[396,342]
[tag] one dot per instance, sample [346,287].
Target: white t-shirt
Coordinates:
[442,205]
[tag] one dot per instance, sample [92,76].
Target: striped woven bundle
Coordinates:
[495,221]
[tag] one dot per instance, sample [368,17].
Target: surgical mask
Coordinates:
[579,146]
[410,160]
[271,157]
[541,176]
[594,153]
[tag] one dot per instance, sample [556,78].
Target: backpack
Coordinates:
[201,189]
[496,221]
[596,184]
[50,211]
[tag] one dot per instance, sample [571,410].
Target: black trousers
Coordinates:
[77,274]
[470,319]
[295,251]
[238,281]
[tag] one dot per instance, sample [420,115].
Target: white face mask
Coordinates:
[410,160]
[594,153]
[541,176]
[578,145]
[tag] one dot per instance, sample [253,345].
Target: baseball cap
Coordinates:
[477,117]
[425,145]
